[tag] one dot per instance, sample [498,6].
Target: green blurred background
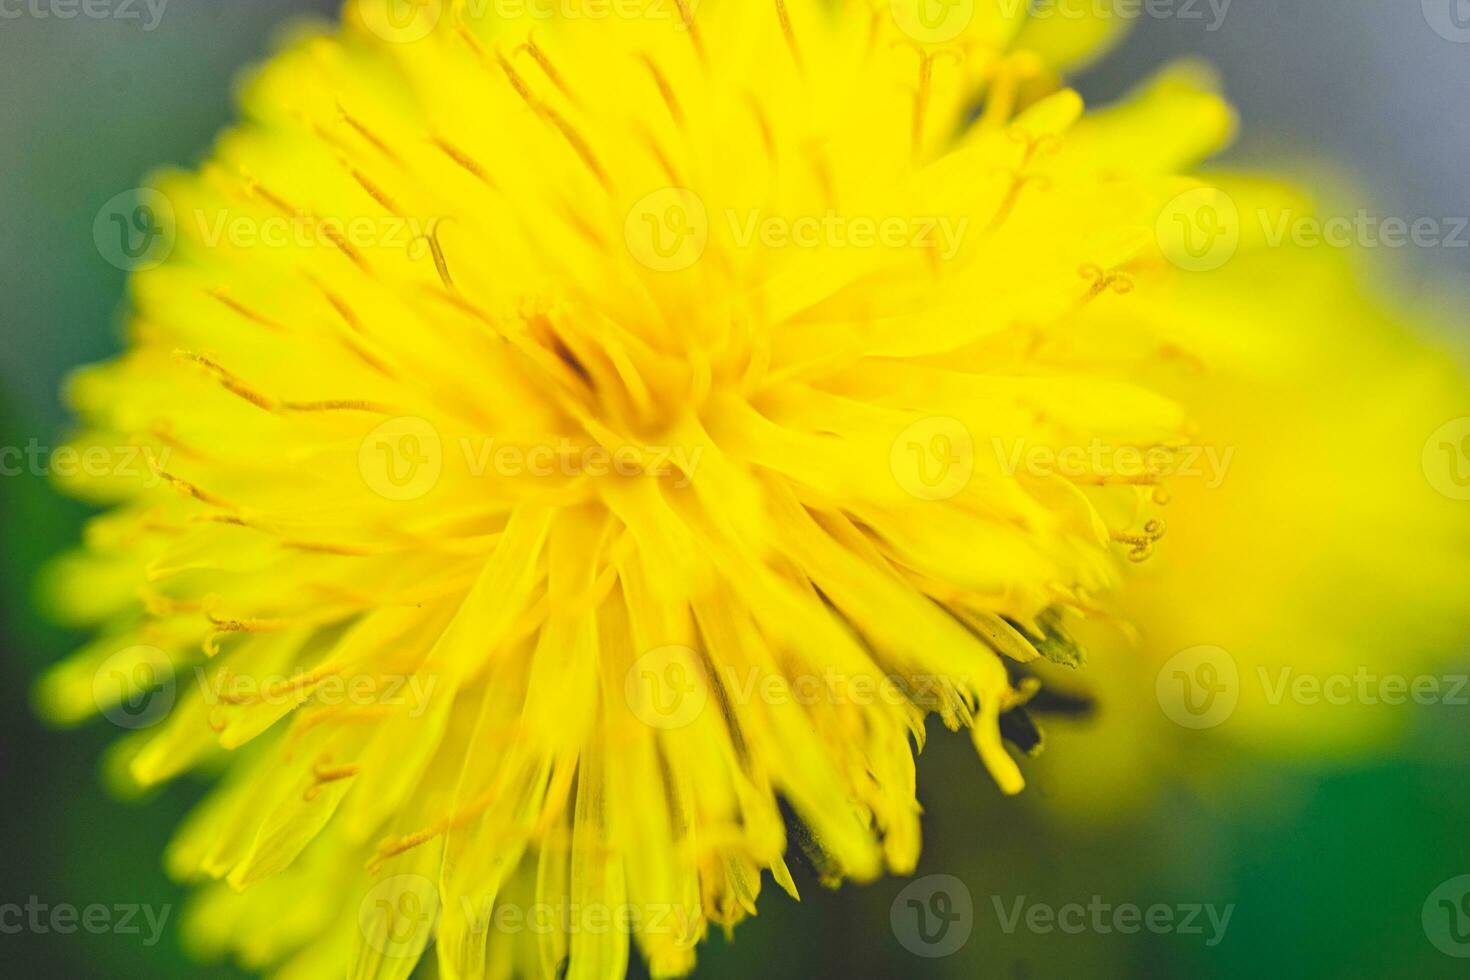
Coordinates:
[1328,869]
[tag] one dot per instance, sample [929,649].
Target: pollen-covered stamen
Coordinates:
[188,489]
[1021,177]
[362,130]
[686,14]
[1004,77]
[299,686]
[574,138]
[227,380]
[253,316]
[374,191]
[255,188]
[337,714]
[324,773]
[665,89]
[463,160]
[923,89]
[226,625]
[160,606]
[1142,544]
[162,431]
[436,250]
[555,77]
[236,386]
[1118,281]
[787,32]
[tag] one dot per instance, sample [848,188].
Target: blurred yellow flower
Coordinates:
[1313,595]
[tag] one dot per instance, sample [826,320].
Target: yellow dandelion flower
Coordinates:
[574,461]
